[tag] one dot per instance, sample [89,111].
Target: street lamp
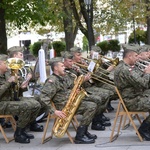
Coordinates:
[134,33]
[88,8]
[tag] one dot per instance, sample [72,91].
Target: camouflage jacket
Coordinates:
[129,81]
[5,89]
[57,90]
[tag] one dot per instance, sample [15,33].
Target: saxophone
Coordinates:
[61,124]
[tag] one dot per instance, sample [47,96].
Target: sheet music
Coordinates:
[95,55]
[91,66]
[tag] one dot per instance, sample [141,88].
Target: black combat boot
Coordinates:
[5,124]
[144,130]
[99,119]
[104,117]
[105,123]
[96,125]
[35,127]
[20,137]
[81,138]
[30,136]
[89,135]
[109,107]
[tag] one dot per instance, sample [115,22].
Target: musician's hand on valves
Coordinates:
[60,114]
[147,69]
[12,79]
[87,77]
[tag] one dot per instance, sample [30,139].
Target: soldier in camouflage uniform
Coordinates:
[134,88]
[57,90]
[68,62]
[26,109]
[97,94]
[25,77]
[109,71]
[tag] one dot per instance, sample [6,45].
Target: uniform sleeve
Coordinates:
[4,87]
[136,80]
[47,93]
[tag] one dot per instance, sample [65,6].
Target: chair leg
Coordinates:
[114,137]
[44,139]
[4,135]
[70,138]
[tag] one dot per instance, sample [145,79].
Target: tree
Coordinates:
[70,28]
[20,13]
[3,38]
[140,36]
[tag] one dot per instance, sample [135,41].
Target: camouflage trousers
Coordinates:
[86,109]
[27,110]
[113,95]
[140,103]
[100,96]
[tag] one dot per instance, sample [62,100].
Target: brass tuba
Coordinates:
[61,124]
[14,64]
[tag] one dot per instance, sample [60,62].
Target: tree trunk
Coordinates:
[148,30]
[3,37]
[70,30]
[86,17]
[148,22]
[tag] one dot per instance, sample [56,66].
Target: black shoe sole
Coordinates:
[143,136]
[23,142]
[98,129]
[82,142]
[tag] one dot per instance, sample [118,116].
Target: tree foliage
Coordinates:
[140,36]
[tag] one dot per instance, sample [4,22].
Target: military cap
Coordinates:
[66,54]
[146,46]
[55,59]
[143,49]
[96,49]
[15,49]
[3,57]
[75,49]
[131,47]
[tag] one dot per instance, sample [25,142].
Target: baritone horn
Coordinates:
[14,64]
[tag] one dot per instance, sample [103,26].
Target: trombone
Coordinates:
[96,77]
[99,62]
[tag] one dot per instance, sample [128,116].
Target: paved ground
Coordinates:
[127,140]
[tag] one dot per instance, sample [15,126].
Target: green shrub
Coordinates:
[111,45]
[104,46]
[35,48]
[58,47]
[85,44]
